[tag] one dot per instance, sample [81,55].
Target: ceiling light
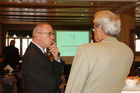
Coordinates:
[82,14]
[14,36]
[27,36]
[86,10]
[54,2]
[19,1]
[91,3]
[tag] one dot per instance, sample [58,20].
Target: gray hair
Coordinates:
[109,22]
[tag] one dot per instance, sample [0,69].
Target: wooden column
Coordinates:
[0,39]
[127,24]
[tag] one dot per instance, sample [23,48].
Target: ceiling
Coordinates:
[68,13]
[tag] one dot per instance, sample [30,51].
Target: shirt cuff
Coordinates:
[59,60]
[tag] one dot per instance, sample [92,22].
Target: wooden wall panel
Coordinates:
[0,39]
[127,23]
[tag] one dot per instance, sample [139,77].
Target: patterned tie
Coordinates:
[48,54]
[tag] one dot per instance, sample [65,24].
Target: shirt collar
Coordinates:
[38,47]
[110,39]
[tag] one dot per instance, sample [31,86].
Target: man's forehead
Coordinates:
[51,31]
[48,29]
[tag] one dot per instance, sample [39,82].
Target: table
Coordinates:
[11,81]
[134,89]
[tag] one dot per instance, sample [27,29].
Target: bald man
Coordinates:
[40,74]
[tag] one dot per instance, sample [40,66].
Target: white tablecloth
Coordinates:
[134,89]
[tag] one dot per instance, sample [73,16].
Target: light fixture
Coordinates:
[91,3]
[82,15]
[14,36]
[19,1]
[20,61]
[86,10]
[54,2]
[27,36]
[7,35]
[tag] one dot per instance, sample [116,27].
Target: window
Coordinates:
[25,43]
[137,44]
[21,43]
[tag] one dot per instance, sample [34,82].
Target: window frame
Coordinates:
[7,42]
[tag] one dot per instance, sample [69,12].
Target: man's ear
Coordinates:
[99,30]
[101,33]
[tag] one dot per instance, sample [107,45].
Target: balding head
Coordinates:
[40,27]
[43,35]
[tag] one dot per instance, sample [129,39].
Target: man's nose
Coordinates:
[52,37]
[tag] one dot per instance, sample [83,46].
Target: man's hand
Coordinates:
[54,50]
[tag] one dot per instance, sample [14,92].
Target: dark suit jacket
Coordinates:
[12,57]
[40,74]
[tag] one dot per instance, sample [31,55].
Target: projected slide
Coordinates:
[68,41]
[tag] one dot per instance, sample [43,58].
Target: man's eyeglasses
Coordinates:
[49,34]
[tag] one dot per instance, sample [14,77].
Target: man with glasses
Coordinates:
[40,74]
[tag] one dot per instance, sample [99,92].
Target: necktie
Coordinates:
[49,55]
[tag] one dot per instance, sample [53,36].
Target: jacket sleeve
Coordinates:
[78,73]
[58,66]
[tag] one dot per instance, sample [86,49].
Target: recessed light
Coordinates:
[54,2]
[91,3]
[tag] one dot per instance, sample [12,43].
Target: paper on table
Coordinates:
[8,67]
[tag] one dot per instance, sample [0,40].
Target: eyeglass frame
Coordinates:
[49,34]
